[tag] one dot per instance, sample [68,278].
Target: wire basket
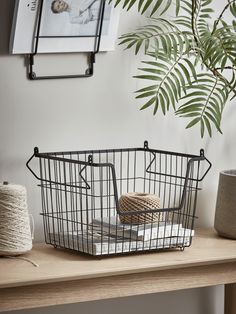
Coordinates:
[81,190]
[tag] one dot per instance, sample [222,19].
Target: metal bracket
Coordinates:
[91,54]
[33,76]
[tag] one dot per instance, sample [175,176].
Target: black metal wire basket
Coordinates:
[81,190]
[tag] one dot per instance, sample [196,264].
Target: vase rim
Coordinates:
[230,172]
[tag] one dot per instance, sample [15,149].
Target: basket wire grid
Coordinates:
[80,198]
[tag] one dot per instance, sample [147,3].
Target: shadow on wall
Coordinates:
[6,15]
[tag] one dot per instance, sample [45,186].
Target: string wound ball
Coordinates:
[140,202]
[15,233]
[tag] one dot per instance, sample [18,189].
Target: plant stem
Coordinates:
[227,68]
[215,72]
[194,21]
[221,14]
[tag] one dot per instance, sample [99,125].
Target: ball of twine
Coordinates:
[15,234]
[139,202]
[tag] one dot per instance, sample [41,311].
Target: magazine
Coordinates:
[98,244]
[143,232]
[71,29]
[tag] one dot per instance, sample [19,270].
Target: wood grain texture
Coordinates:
[112,287]
[57,265]
[65,277]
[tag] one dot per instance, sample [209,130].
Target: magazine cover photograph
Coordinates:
[64,26]
[73,18]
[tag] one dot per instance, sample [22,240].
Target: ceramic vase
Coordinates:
[225,215]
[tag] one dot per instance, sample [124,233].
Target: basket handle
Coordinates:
[197,158]
[28,162]
[192,160]
[201,157]
[36,152]
[209,165]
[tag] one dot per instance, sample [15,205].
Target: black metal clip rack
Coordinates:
[81,190]
[91,54]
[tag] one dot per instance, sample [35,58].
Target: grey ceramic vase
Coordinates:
[225,215]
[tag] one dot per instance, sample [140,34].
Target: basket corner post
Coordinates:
[202,152]
[145,144]
[36,150]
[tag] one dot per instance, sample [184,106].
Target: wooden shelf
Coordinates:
[67,277]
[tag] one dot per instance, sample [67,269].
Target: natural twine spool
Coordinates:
[139,202]
[15,234]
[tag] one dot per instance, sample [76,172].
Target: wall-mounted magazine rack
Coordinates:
[90,54]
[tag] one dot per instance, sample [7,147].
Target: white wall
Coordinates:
[101,112]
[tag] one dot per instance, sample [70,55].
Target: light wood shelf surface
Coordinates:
[63,265]
[65,277]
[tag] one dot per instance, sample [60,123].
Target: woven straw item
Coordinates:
[139,202]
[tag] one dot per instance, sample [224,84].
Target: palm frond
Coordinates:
[162,6]
[204,102]
[175,48]
[160,34]
[184,18]
[184,21]
[169,77]
[201,13]
[220,48]
[233,8]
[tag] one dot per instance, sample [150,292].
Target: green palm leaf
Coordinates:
[233,9]
[175,49]
[161,34]
[220,48]
[204,103]
[143,5]
[170,77]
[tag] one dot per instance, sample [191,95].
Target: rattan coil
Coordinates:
[139,202]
